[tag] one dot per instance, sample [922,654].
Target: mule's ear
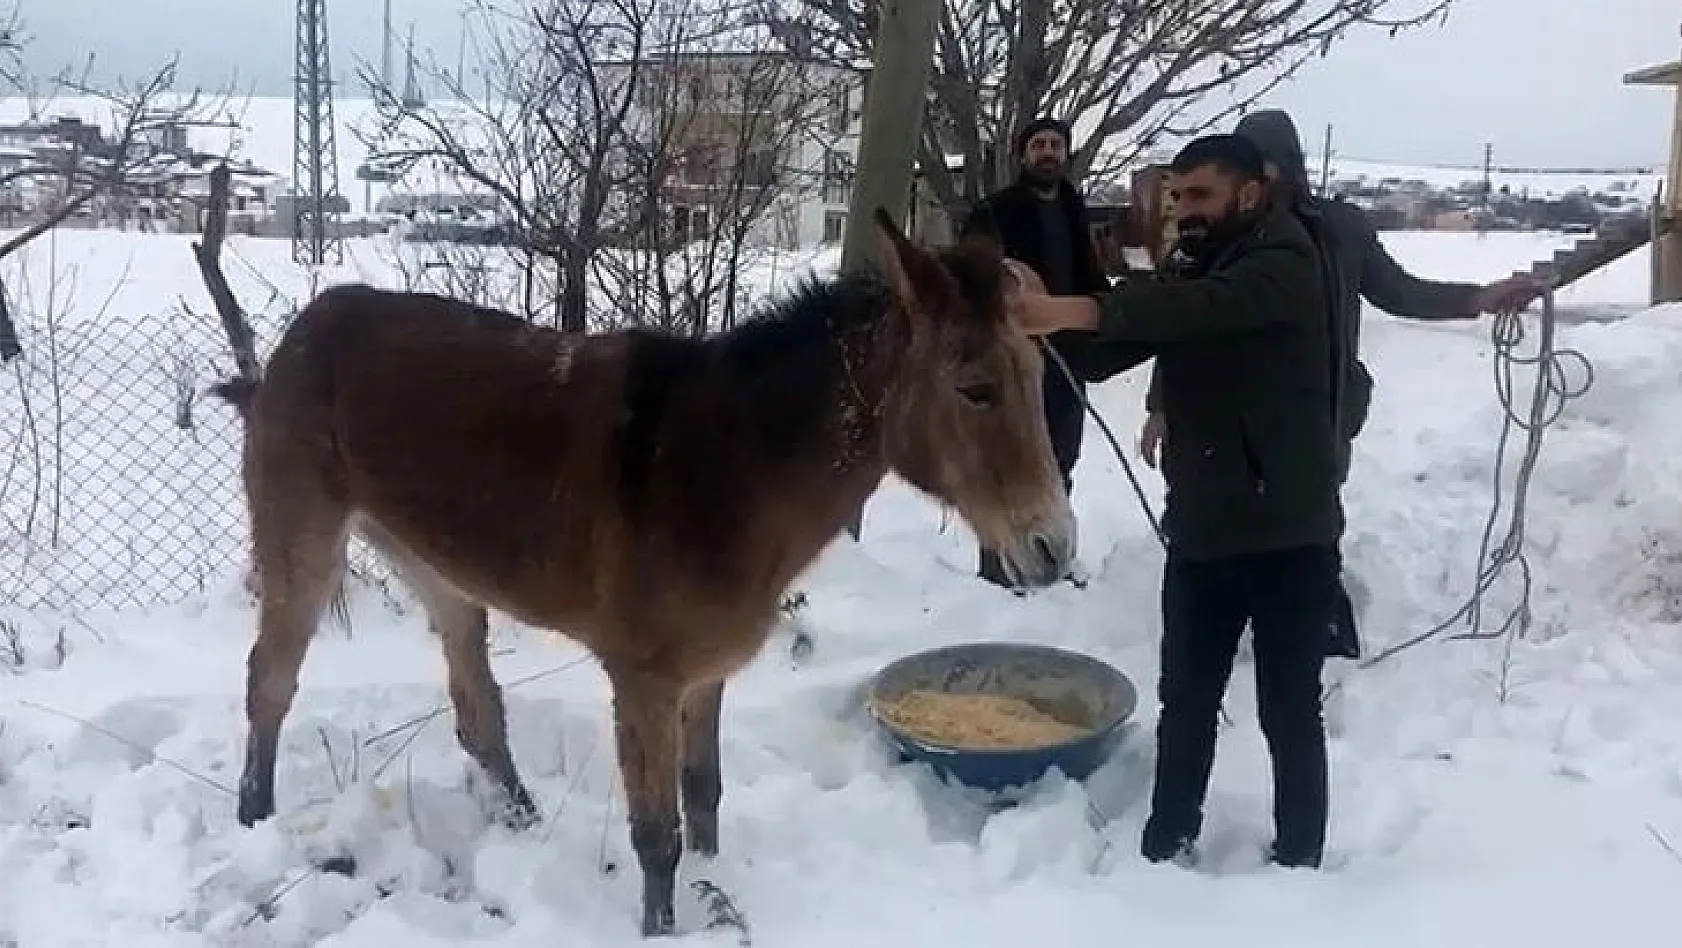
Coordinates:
[981,233]
[911,272]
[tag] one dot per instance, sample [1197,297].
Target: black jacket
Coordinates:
[1011,215]
[1357,266]
[1244,368]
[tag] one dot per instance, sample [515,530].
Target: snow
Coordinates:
[1482,793]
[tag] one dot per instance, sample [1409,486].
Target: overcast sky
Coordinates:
[1541,79]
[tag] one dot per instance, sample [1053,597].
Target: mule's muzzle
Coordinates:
[1043,553]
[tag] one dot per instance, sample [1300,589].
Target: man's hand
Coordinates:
[1151,435]
[1038,314]
[1509,295]
[1024,278]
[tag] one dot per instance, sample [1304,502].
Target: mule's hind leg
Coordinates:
[645,720]
[463,626]
[702,785]
[301,561]
[481,720]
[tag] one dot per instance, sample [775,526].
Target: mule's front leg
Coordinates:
[702,784]
[646,712]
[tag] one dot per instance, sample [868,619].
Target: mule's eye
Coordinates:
[980,394]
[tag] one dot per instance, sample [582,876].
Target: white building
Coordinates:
[766,140]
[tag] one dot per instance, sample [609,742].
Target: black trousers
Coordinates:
[1345,636]
[1288,598]
[1065,422]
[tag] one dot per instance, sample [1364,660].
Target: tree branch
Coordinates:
[208,253]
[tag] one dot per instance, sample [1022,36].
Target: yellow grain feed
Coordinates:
[981,721]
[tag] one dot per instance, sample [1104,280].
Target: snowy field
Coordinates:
[1483,794]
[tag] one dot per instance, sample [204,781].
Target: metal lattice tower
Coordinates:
[315,165]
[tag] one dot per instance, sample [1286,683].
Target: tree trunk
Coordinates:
[893,124]
[10,346]
[1025,84]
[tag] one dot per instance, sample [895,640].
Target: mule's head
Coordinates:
[967,424]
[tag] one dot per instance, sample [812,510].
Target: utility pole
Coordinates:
[461,57]
[1488,168]
[1487,190]
[1326,161]
[894,97]
[385,47]
[316,238]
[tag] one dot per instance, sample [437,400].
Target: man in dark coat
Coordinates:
[1356,266]
[1243,360]
[1043,221]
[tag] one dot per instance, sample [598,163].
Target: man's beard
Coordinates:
[1203,238]
[1046,172]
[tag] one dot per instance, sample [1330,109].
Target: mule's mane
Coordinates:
[802,356]
[790,339]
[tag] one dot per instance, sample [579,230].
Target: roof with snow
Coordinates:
[1667,74]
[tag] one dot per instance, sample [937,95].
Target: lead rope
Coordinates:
[1115,443]
[1549,394]
[1120,455]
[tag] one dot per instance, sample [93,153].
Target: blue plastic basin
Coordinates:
[1105,697]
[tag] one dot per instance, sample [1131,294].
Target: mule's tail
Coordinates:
[240,392]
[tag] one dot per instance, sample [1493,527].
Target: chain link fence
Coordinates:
[119,482]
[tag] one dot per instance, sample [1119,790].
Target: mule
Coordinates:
[647,495]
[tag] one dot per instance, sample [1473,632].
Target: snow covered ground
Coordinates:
[1483,794]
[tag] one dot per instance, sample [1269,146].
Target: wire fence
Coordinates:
[119,482]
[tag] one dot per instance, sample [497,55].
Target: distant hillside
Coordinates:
[266,139]
[1540,183]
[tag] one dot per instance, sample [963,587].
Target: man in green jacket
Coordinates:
[1357,267]
[1243,358]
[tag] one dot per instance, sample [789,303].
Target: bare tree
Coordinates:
[12,42]
[1126,73]
[99,172]
[636,146]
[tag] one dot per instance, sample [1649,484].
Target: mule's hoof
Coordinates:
[658,923]
[701,839]
[338,865]
[254,807]
[802,647]
[520,819]
[520,812]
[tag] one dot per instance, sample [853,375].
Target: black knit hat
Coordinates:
[1276,135]
[1037,126]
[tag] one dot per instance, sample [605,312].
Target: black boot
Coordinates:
[1286,859]
[1157,846]
[1345,638]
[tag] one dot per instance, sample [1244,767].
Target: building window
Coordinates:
[837,177]
[834,226]
[690,223]
[649,83]
[759,169]
[840,106]
[700,164]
